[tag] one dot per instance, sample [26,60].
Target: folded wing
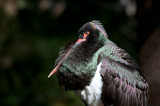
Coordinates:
[123,85]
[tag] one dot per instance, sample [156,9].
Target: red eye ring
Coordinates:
[86,34]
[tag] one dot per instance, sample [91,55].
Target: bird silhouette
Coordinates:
[99,72]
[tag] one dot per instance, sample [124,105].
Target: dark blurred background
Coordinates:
[33,31]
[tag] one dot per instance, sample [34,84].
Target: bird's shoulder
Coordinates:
[115,53]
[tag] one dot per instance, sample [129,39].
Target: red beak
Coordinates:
[57,67]
[80,40]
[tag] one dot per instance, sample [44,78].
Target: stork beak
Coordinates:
[59,64]
[57,67]
[80,40]
[54,70]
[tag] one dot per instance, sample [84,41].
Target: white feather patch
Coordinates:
[92,94]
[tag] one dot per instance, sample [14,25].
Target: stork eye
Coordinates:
[85,34]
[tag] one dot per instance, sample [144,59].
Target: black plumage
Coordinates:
[123,82]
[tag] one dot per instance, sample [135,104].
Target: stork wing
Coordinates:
[122,85]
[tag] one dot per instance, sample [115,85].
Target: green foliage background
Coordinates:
[31,34]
